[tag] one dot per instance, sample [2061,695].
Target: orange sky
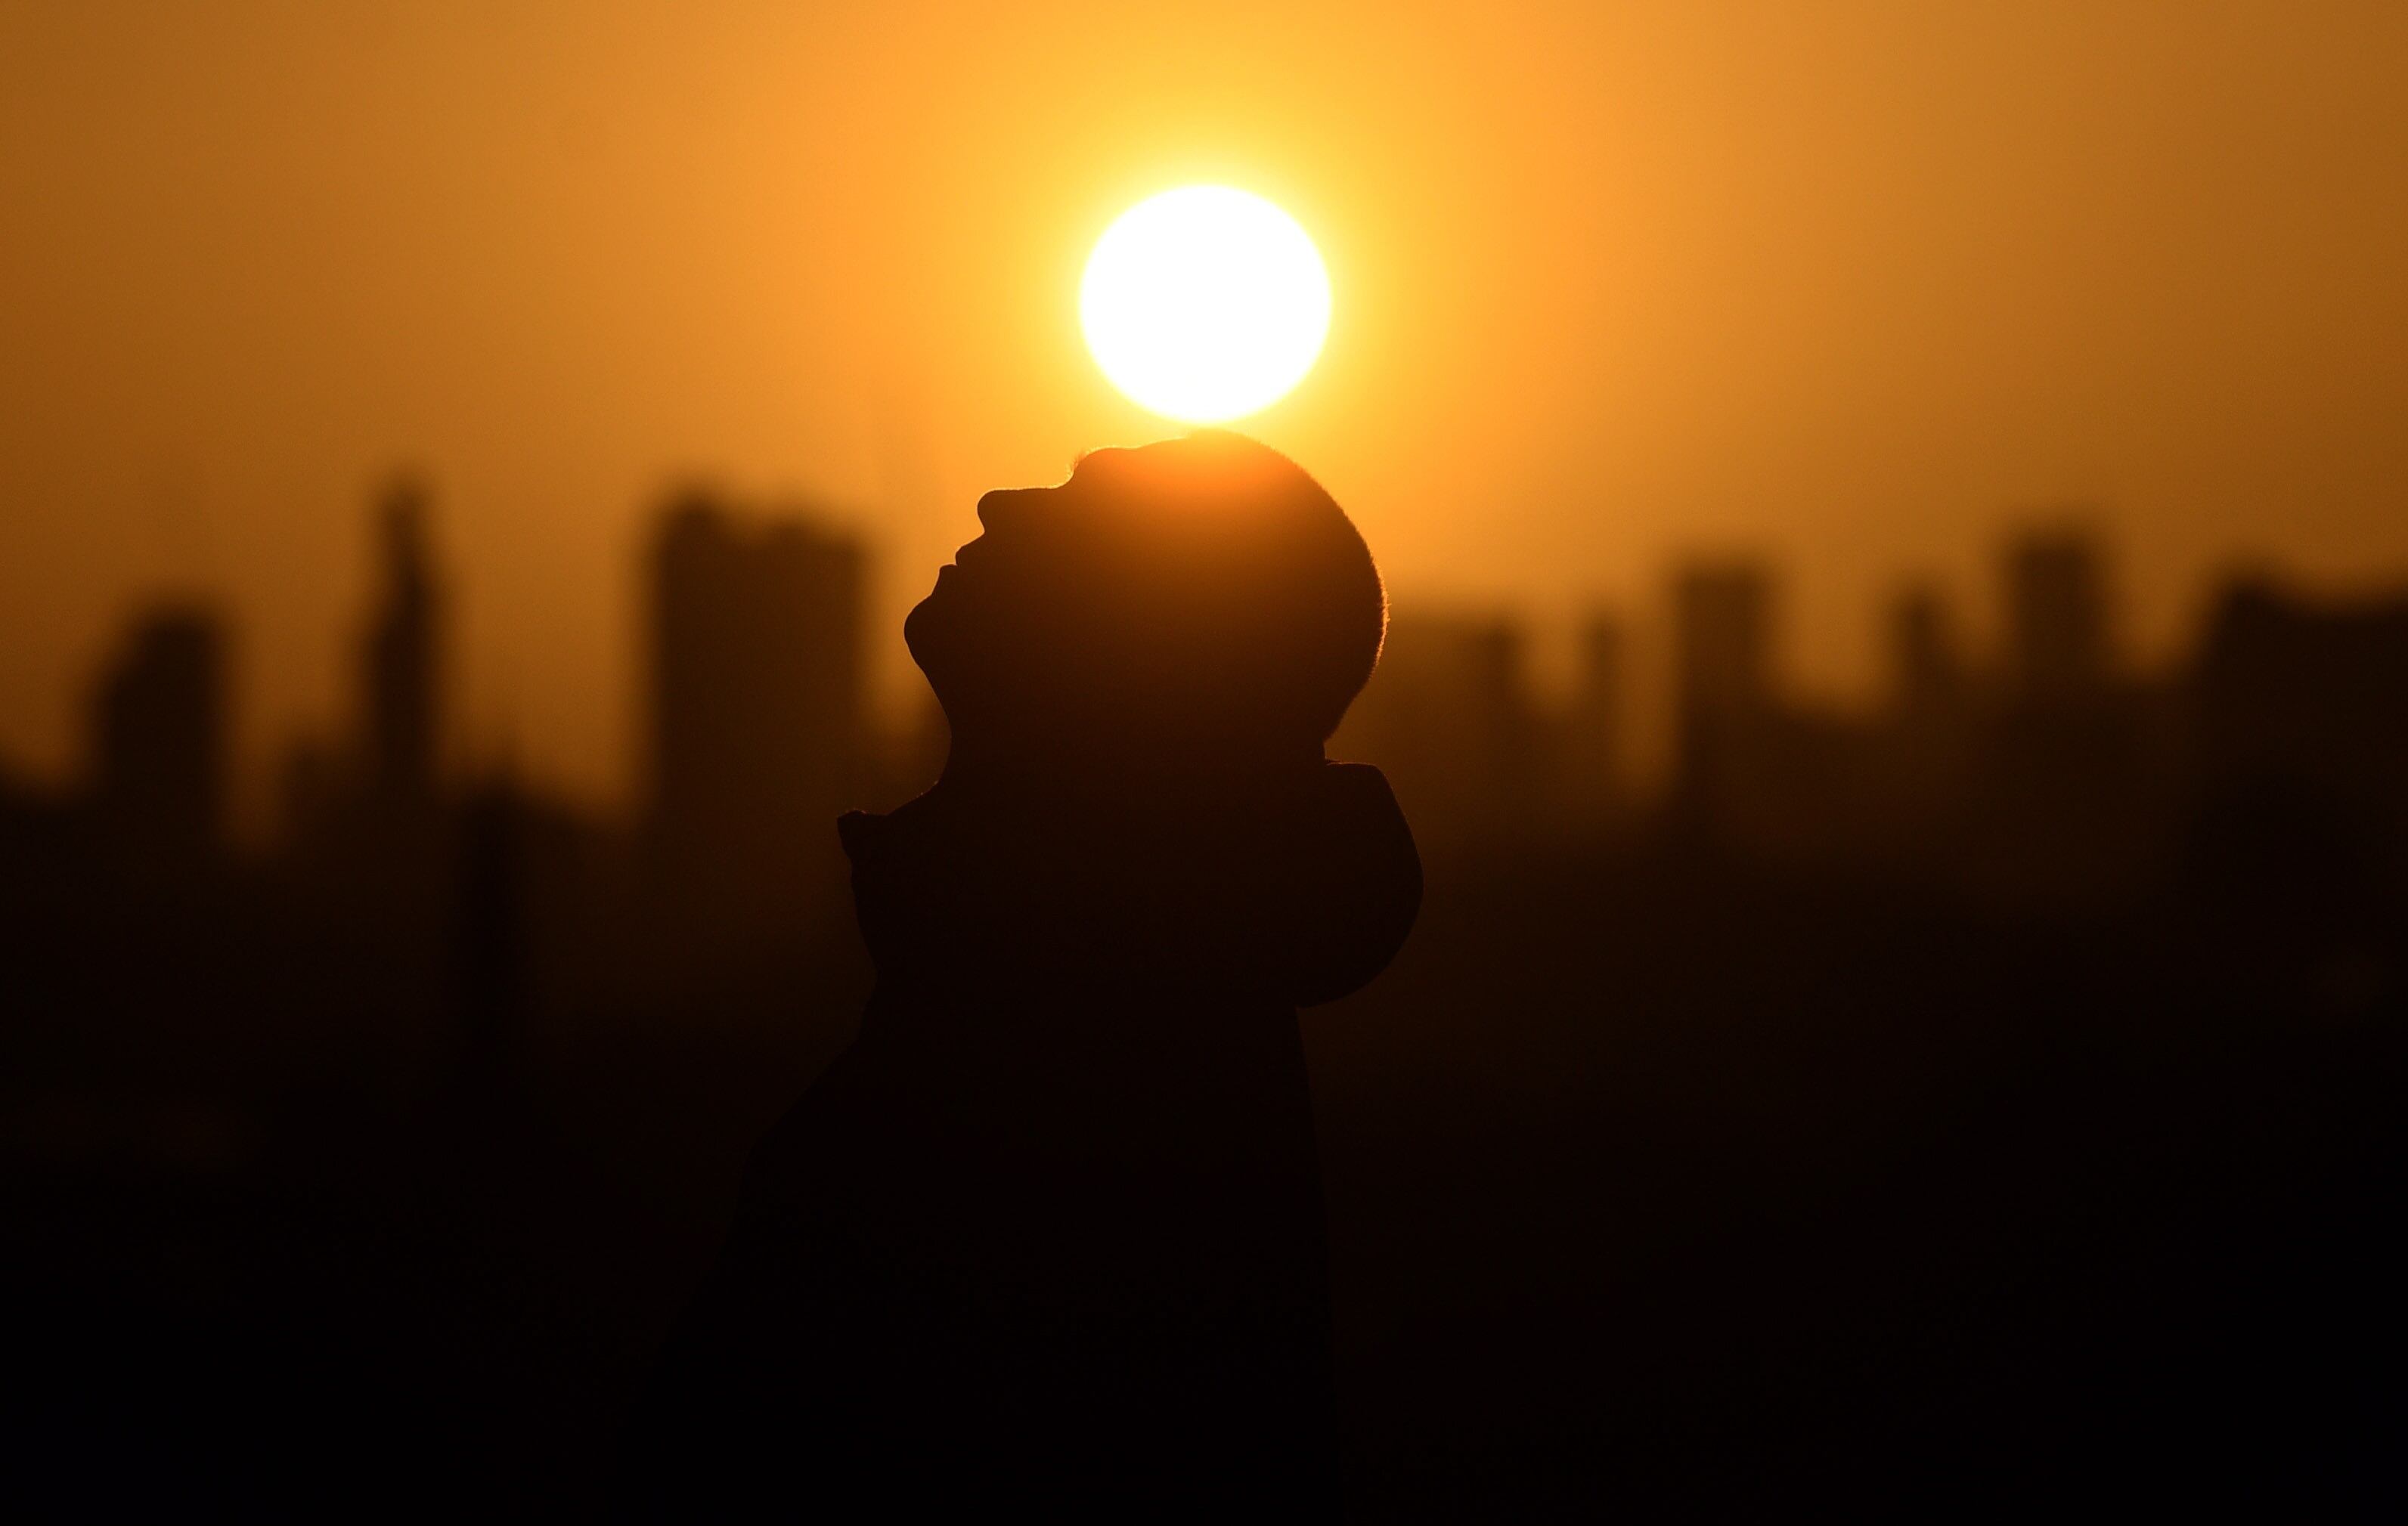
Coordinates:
[1848,283]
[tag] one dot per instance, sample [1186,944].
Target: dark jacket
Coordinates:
[1051,1229]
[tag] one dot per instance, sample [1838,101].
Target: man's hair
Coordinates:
[1276,600]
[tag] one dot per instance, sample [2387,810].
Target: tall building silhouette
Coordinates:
[2291,694]
[757,668]
[2069,799]
[1587,755]
[1913,772]
[1724,635]
[400,657]
[1723,631]
[1927,656]
[2057,616]
[159,737]
[758,718]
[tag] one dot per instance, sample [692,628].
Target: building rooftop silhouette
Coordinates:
[1928,665]
[758,722]
[159,736]
[2057,615]
[400,655]
[756,655]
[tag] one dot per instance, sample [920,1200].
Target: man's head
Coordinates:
[1202,594]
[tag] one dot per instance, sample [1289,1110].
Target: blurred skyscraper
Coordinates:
[2290,695]
[1721,639]
[1724,635]
[2057,622]
[1588,782]
[1927,669]
[400,657]
[2069,810]
[159,735]
[758,718]
[756,673]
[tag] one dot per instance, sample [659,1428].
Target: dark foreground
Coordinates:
[1657,1182]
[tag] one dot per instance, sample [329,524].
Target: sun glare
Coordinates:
[1205,304]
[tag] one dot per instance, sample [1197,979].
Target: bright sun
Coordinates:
[1205,303]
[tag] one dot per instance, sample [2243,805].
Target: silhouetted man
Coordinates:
[1050,1231]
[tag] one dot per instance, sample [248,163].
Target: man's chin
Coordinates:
[924,629]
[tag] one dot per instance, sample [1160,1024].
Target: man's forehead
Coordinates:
[1169,481]
[1104,462]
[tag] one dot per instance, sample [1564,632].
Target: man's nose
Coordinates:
[998,509]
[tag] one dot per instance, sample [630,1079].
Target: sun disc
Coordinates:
[1205,304]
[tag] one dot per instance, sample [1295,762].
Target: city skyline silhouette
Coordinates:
[1608,288]
[757,624]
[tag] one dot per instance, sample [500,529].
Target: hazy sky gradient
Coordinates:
[1848,283]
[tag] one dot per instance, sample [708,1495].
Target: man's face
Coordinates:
[1027,600]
